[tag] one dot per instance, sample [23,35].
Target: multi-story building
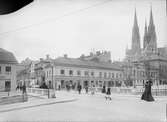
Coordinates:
[8,68]
[39,70]
[33,73]
[66,71]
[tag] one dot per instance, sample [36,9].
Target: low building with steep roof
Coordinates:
[8,69]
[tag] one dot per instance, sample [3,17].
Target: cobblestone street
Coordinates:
[89,107]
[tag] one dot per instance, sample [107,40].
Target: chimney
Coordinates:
[82,57]
[41,59]
[65,56]
[47,56]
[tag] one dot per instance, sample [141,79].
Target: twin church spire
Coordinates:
[149,40]
[135,36]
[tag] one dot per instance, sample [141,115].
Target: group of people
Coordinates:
[147,95]
[21,88]
[107,92]
[92,89]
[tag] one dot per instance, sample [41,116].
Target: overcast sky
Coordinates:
[76,27]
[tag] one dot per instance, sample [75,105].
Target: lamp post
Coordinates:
[53,83]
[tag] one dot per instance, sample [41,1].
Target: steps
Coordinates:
[13,99]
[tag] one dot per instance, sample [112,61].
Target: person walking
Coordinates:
[86,89]
[24,91]
[108,94]
[104,89]
[93,90]
[147,95]
[79,89]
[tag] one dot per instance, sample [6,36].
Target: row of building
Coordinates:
[95,69]
[64,71]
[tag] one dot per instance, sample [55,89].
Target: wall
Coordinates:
[8,76]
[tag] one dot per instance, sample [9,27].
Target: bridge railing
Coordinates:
[38,91]
[160,90]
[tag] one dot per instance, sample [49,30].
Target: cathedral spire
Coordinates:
[151,18]
[135,36]
[145,36]
[151,36]
[135,20]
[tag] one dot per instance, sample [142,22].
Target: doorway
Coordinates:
[7,85]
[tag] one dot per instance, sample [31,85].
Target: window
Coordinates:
[49,72]
[134,72]
[120,75]
[78,72]
[8,69]
[70,72]
[117,75]
[100,74]
[109,75]
[100,83]
[62,72]
[105,74]
[112,75]
[86,73]
[92,73]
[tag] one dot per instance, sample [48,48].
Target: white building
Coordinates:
[72,71]
[8,68]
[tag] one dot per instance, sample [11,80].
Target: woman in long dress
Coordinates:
[147,95]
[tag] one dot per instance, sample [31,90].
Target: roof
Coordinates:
[163,51]
[7,57]
[76,62]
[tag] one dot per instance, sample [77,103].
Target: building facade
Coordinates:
[33,72]
[8,69]
[150,59]
[66,71]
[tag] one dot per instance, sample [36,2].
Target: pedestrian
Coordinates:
[86,89]
[24,89]
[79,89]
[108,94]
[59,87]
[104,89]
[17,88]
[25,97]
[93,90]
[147,95]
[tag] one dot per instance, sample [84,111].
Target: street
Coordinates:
[89,107]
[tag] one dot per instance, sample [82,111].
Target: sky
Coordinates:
[75,27]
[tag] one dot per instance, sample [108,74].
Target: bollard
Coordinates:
[48,94]
[166,112]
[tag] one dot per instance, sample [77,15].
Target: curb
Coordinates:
[37,105]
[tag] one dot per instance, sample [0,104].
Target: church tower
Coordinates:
[145,41]
[151,36]
[135,37]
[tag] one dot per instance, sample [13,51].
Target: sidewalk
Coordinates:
[117,95]
[61,97]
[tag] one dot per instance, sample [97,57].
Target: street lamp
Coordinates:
[53,83]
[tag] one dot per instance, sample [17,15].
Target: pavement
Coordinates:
[35,100]
[71,106]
